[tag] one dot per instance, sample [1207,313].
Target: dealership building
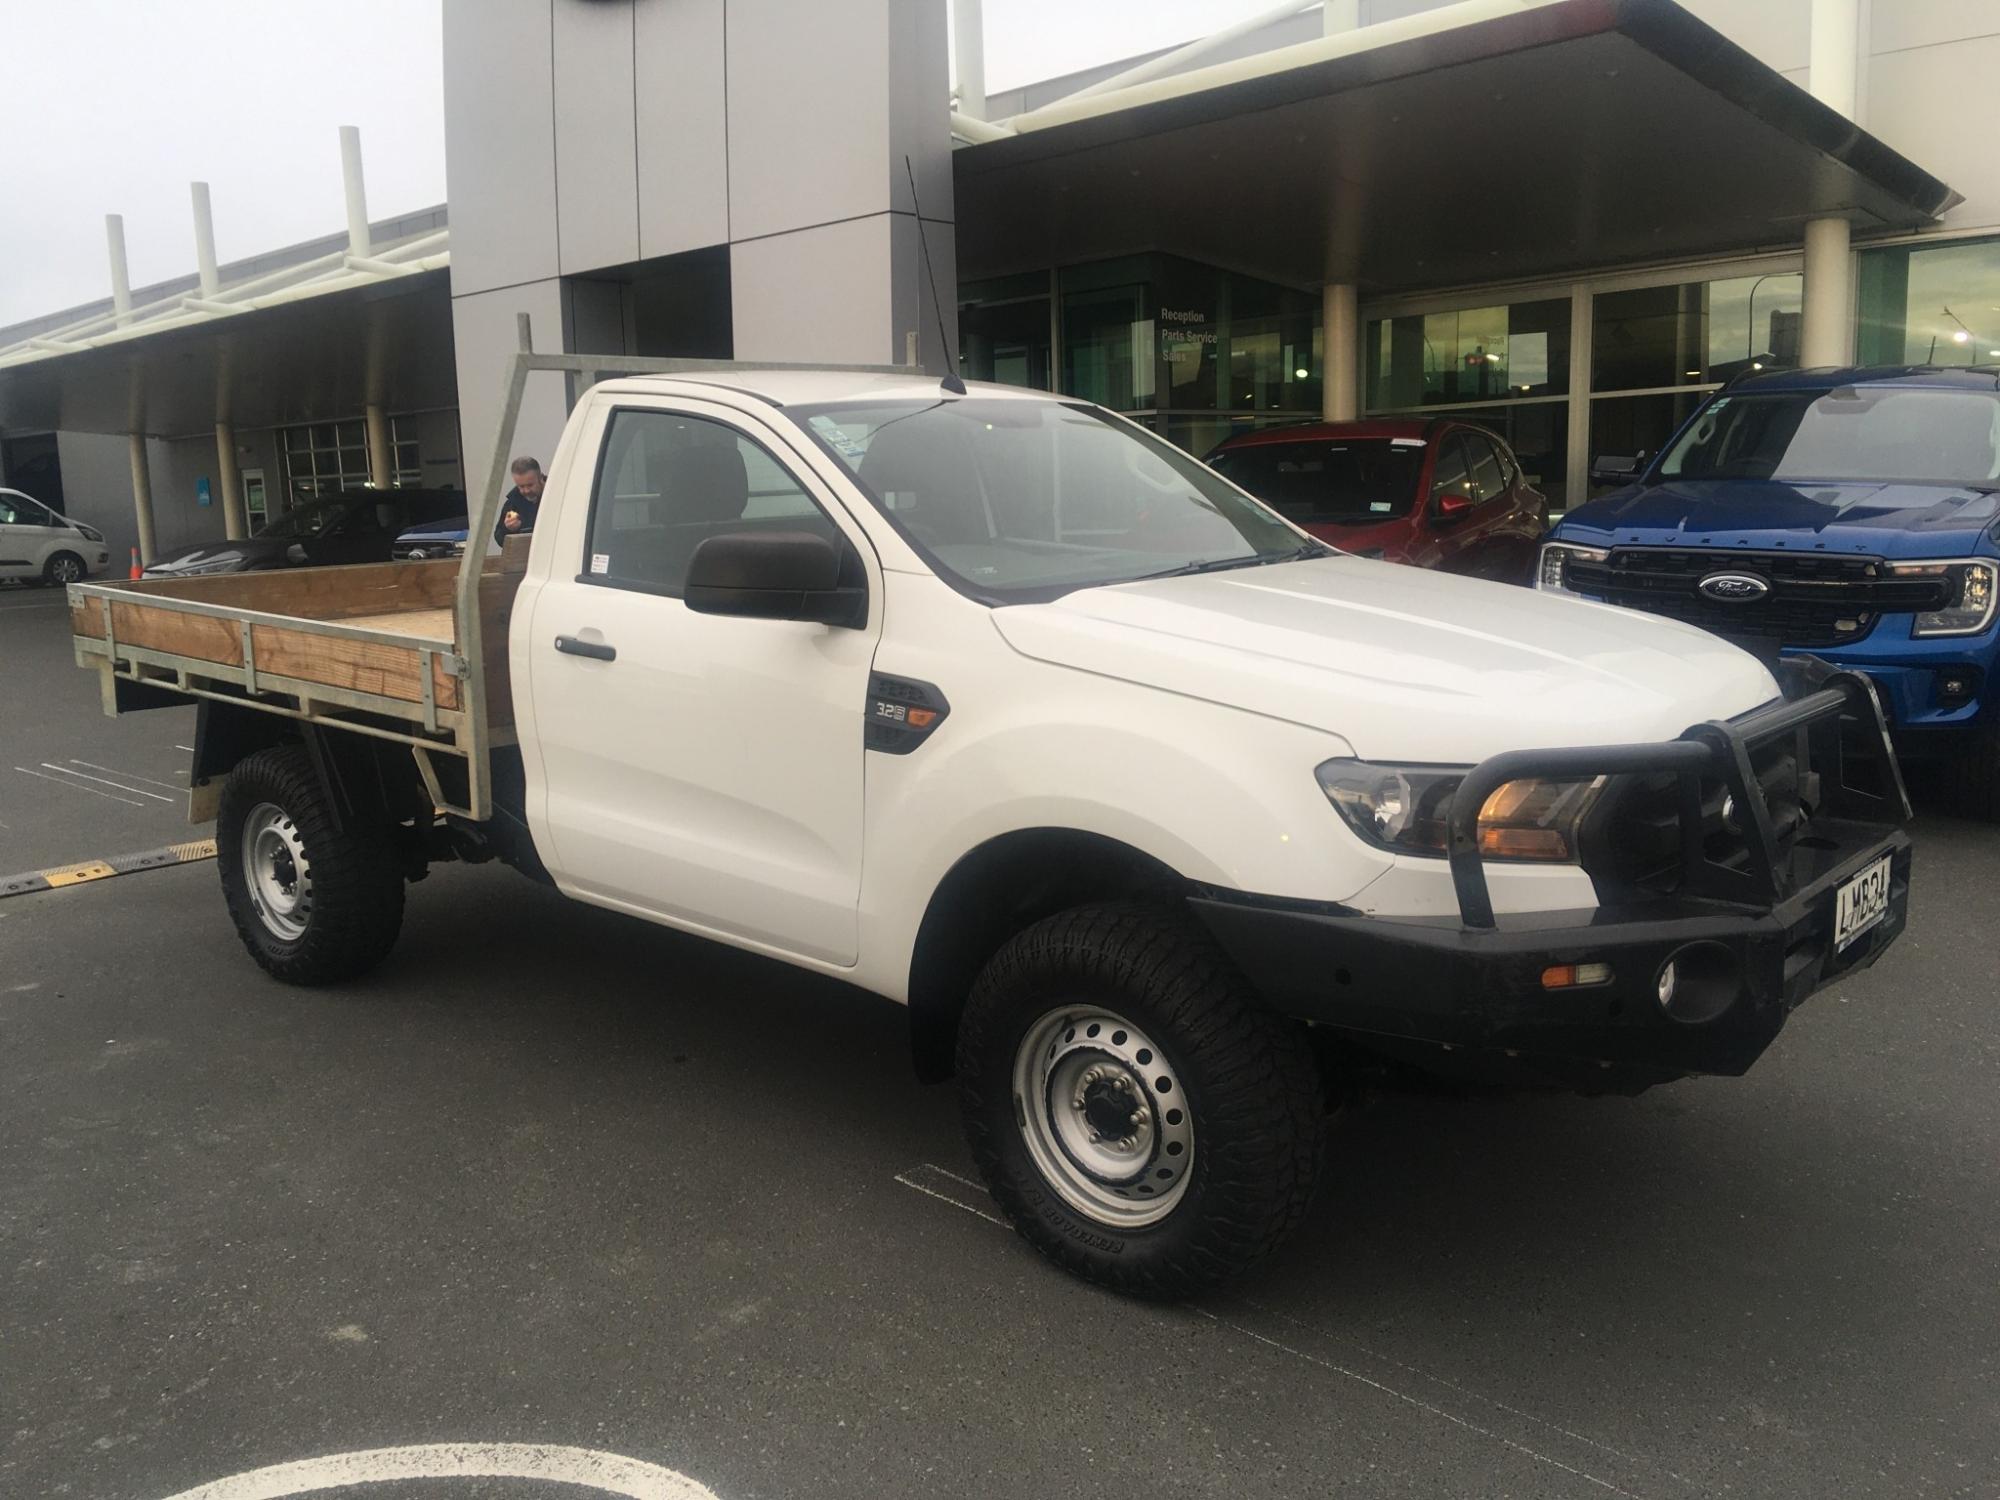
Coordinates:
[1565,219]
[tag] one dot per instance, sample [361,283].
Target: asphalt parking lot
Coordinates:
[552,1177]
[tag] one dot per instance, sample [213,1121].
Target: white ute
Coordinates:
[1169,823]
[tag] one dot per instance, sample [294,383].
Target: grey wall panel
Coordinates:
[597,172]
[809,138]
[1778,32]
[437,447]
[912,303]
[483,330]
[97,490]
[919,107]
[1897,24]
[817,294]
[1917,102]
[683,126]
[499,142]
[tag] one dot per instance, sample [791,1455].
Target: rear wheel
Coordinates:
[1138,1113]
[315,899]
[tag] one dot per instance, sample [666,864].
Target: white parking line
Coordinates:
[83,775]
[905,1178]
[586,1468]
[128,775]
[128,801]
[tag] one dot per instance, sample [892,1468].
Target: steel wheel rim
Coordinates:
[276,872]
[1102,1113]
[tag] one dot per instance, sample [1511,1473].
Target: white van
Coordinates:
[44,546]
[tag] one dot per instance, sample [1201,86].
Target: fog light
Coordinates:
[1699,983]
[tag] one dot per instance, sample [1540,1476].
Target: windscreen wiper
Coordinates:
[1224,564]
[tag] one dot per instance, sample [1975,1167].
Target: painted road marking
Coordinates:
[59,781]
[102,869]
[925,1179]
[586,1468]
[128,775]
[101,781]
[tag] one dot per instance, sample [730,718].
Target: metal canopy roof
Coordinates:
[315,358]
[1541,140]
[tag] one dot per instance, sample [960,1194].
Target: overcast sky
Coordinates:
[114,106]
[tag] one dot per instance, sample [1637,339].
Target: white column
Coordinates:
[1340,16]
[121,281]
[1340,339]
[142,497]
[357,192]
[968,45]
[1827,327]
[204,240]
[381,453]
[235,525]
[1835,57]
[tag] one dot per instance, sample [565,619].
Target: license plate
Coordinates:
[1861,903]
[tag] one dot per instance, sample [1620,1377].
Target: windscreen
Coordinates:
[319,518]
[1864,434]
[1329,481]
[1015,500]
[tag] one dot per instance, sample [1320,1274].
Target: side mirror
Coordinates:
[1607,469]
[1452,507]
[775,575]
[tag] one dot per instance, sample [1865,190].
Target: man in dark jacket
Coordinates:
[517,511]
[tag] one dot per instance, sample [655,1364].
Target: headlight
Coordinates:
[1974,590]
[1404,808]
[91,533]
[1553,575]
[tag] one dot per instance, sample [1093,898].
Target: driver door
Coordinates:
[701,769]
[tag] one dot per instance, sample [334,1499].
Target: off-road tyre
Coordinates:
[1976,775]
[353,881]
[1245,1076]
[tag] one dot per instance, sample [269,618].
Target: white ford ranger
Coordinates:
[1166,821]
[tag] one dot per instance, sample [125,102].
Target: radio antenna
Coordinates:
[952,382]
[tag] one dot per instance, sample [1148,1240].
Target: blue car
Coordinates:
[1847,514]
[444,538]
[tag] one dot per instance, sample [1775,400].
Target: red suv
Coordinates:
[1432,493]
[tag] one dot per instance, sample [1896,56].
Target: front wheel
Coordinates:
[1140,1116]
[64,569]
[315,898]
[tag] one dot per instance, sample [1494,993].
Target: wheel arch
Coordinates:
[359,775]
[997,889]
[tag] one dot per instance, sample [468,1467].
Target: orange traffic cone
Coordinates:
[135,563]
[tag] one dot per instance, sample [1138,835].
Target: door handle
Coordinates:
[595,650]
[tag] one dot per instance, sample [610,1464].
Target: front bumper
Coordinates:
[1466,997]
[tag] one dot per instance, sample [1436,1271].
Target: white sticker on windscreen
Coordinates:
[600,562]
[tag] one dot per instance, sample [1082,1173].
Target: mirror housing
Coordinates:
[1454,507]
[776,575]
[1613,469]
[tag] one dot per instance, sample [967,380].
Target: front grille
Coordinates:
[1636,840]
[1815,599]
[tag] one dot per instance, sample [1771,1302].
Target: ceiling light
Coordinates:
[1961,337]
[1756,364]
[1695,373]
[1300,374]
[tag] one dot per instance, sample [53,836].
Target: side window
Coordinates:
[26,512]
[1489,473]
[667,482]
[7,513]
[1453,474]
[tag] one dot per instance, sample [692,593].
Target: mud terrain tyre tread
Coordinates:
[1249,1077]
[357,882]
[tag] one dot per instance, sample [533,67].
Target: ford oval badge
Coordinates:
[1734,588]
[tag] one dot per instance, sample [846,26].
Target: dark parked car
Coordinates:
[355,526]
[1431,493]
[445,538]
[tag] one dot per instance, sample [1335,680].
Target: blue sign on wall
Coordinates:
[201,496]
